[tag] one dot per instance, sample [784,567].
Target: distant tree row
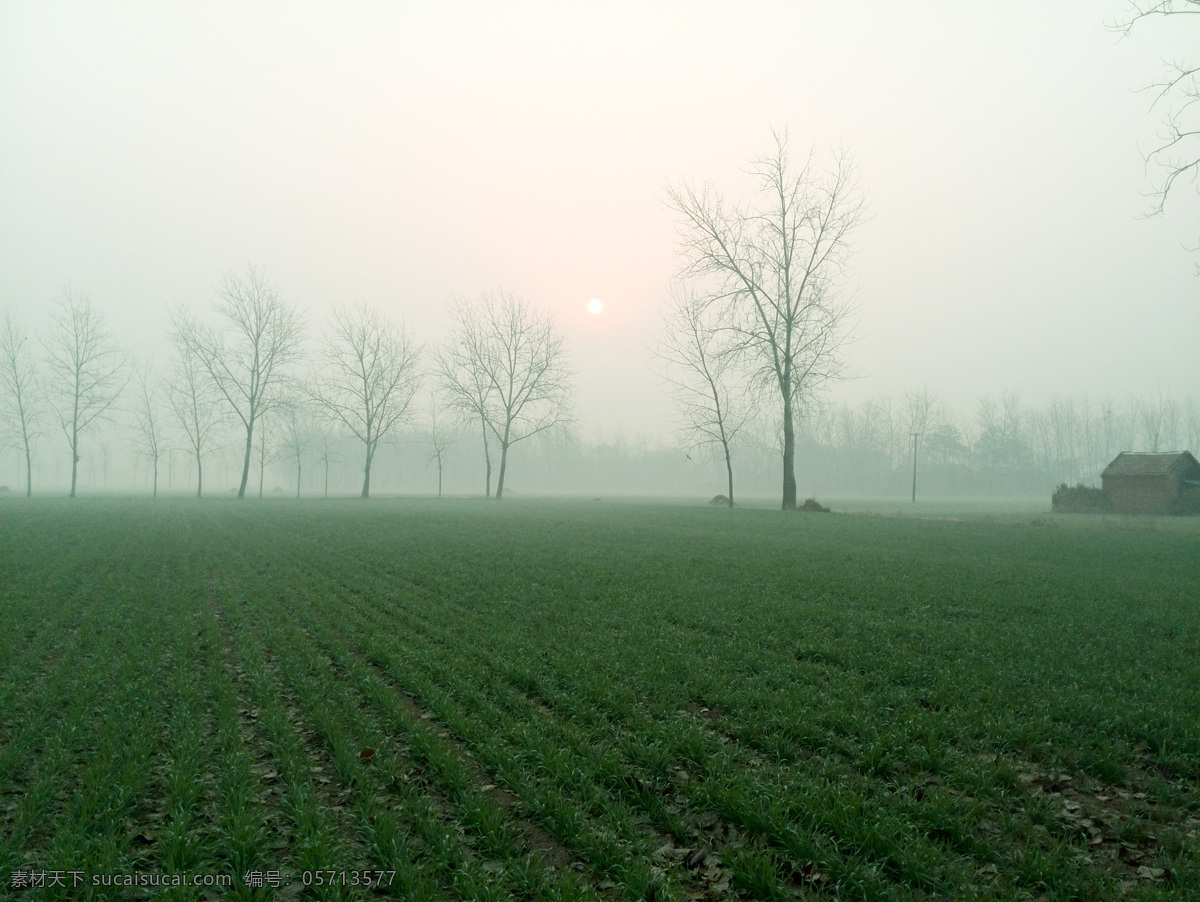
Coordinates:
[869,448]
[504,371]
[753,334]
[1072,439]
[502,379]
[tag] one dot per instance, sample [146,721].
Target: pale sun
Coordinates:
[594,306]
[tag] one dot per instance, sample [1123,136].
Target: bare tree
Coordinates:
[1090,436]
[326,452]
[1191,424]
[778,266]
[87,370]
[149,437]
[701,358]
[369,378]
[464,380]
[1178,150]
[196,404]
[21,395]
[1003,435]
[247,359]
[922,410]
[268,451]
[881,411]
[298,435]
[1158,420]
[440,434]
[507,363]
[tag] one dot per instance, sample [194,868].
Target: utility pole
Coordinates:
[915,437]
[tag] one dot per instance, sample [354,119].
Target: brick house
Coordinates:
[1141,482]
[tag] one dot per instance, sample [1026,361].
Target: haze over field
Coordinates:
[808,339]
[405,156]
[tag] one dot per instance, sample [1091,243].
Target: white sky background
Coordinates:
[405,154]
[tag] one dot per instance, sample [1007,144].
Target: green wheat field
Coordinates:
[562,700]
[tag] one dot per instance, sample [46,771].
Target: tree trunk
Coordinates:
[503,467]
[297,477]
[199,477]
[487,457]
[789,458]
[28,472]
[728,470]
[154,492]
[439,475]
[366,489]
[246,464]
[74,465]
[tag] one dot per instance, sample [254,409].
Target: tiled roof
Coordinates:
[1179,464]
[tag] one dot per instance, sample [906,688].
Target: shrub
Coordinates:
[1079,499]
[814,506]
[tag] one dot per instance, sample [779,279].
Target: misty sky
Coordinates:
[406,154]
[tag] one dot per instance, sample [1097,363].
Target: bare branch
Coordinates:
[247,360]
[87,370]
[775,268]
[368,378]
[22,394]
[1177,154]
[194,399]
[701,358]
[506,368]
[440,434]
[149,435]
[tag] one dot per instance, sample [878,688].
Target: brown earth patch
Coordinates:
[1124,829]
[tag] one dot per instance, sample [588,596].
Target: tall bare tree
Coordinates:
[701,358]
[21,396]
[87,370]
[149,433]
[247,358]
[507,364]
[368,379]
[463,378]
[778,266]
[196,404]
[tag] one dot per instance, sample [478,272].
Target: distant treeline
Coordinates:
[1002,448]
[366,405]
